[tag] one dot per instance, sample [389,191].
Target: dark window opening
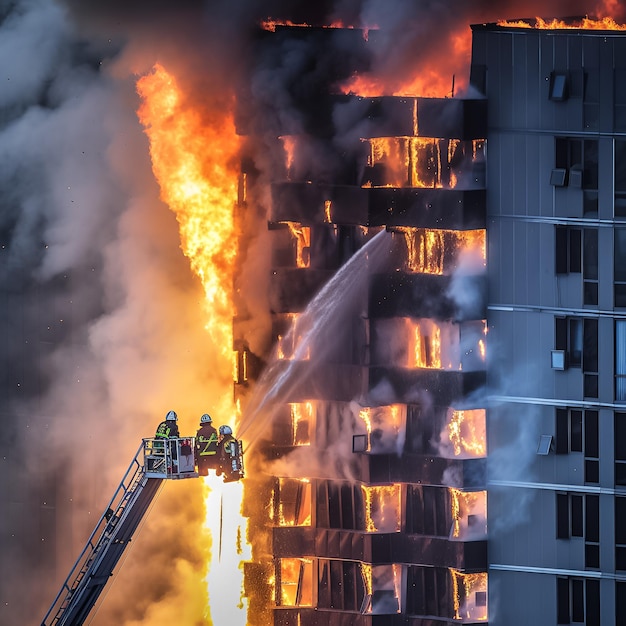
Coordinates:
[620,360]
[620,178]
[559,86]
[579,159]
[590,266]
[619,438]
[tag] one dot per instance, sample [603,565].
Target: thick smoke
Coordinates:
[103,322]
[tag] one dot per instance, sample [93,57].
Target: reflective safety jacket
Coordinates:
[166,430]
[206,440]
[228,447]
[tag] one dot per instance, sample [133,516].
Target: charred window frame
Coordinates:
[577,431]
[620,533]
[619,438]
[578,601]
[427,511]
[578,515]
[429,591]
[341,585]
[292,504]
[294,578]
[339,505]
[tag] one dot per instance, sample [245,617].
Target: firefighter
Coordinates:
[206,446]
[228,454]
[168,429]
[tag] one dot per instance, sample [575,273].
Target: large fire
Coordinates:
[422,161]
[606,23]
[190,160]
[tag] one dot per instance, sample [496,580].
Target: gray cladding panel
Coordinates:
[509,602]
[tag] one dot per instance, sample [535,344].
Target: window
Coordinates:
[619,267]
[578,338]
[358,587]
[558,86]
[295,582]
[339,505]
[620,360]
[577,431]
[576,249]
[619,98]
[427,511]
[579,159]
[590,266]
[578,601]
[578,515]
[591,99]
[567,250]
[619,156]
[620,602]
[569,433]
[292,502]
[620,533]
[619,438]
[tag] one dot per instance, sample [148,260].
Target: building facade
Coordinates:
[367,501]
[556,264]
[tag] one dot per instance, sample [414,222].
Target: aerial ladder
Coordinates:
[156,460]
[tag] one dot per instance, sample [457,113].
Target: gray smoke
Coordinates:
[103,332]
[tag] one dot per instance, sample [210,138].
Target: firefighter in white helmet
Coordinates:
[206,445]
[227,452]
[168,429]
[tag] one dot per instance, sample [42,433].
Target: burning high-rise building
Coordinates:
[428,341]
[368,427]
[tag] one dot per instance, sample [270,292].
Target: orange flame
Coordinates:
[294,502]
[438,251]
[190,160]
[296,582]
[422,162]
[427,345]
[469,596]
[302,236]
[469,514]
[467,433]
[271,25]
[605,23]
[382,508]
[302,421]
